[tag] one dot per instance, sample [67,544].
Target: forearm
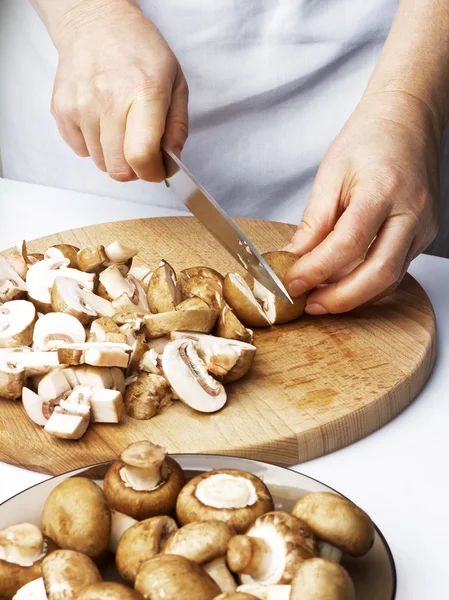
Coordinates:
[415,59]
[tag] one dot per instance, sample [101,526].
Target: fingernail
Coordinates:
[297,287]
[315,309]
[287,248]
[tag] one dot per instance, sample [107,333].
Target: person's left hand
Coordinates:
[373,206]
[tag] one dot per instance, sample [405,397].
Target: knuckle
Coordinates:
[354,242]
[389,179]
[387,272]
[62,105]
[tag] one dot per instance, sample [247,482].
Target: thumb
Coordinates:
[176,125]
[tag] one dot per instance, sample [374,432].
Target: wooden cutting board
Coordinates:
[317,385]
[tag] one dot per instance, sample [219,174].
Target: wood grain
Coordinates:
[317,385]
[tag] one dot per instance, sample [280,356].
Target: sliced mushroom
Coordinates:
[147,396]
[202,321]
[229,327]
[235,596]
[68,296]
[189,379]
[77,517]
[17,319]
[141,542]
[137,301]
[17,262]
[106,406]
[108,591]
[12,380]
[105,330]
[267,592]
[113,284]
[92,259]
[192,304]
[142,274]
[272,550]
[17,364]
[54,330]
[144,483]
[241,299]
[118,380]
[98,377]
[96,354]
[53,386]
[66,573]
[120,253]
[164,292]
[12,286]
[205,272]
[119,524]
[171,577]
[33,405]
[207,289]
[138,350]
[151,362]
[129,332]
[34,590]
[159,344]
[205,543]
[61,251]
[68,423]
[233,496]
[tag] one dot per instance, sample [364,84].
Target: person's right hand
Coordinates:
[119,91]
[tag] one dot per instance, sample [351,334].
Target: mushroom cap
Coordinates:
[140,542]
[190,508]
[108,591]
[17,319]
[171,577]
[318,578]
[235,596]
[66,573]
[201,320]
[143,504]
[337,521]
[64,251]
[163,289]
[241,299]
[229,327]
[146,396]
[201,541]
[57,329]
[77,517]
[206,272]
[206,288]
[192,304]
[120,253]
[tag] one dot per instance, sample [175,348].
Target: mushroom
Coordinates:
[61,251]
[227,359]
[119,524]
[41,277]
[17,262]
[150,362]
[145,482]
[17,319]
[171,577]
[91,259]
[106,406]
[113,285]
[146,396]
[189,379]
[267,592]
[200,320]
[192,304]
[108,591]
[138,350]
[54,330]
[96,354]
[22,549]
[19,363]
[33,405]
[98,377]
[136,301]
[141,542]
[205,272]
[118,380]
[129,332]
[34,590]
[12,380]
[12,286]
[241,299]
[205,543]
[120,253]
[66,573]
[69,296]
[77,517]
[130,317]
[229,327]
[229,495]
[164,291]
[159,344]
[207,289]
[54,386]
[318,578]
[105,330]
[235,596]
[68,421]
[339,525]
[272,549]
[143,275]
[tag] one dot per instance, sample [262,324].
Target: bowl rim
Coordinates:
[236,458]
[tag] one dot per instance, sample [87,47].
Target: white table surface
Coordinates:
[399,474]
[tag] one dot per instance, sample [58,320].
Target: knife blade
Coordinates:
[210,214]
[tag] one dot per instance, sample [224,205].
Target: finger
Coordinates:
[90,127]
[72,136]
[112,139]
[381,270]
[145,127]
[176,127]
[353,233]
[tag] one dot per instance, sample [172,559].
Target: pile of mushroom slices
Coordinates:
[218,536]
[86,337]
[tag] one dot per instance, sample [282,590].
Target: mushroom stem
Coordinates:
[249,556]
[22,544]
[33,590]
[329,552]
[220,573]
[145,466]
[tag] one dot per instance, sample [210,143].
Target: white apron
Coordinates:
[271,84]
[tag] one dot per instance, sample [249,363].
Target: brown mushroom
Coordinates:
[200,320]
[229,495]
[68,251]
[241,299]
[192,304]
[235,596]
[229,327]
[266,592]
[17,320]
[207,289]
[164,292]
[145,482]
[206,272]
[108,591]
[318,578]
[66,573]
[147,396]
[92,259]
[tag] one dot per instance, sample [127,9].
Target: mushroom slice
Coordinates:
[99,377]
[319,578]
[129,332]
[105,330]
[119,524]
[32,363]
[266,592]
[205,543]
[54,330]
[189,379]
[41,276]
[67,425]
[96,354]
[17,319]
[144,483]
[339,525]
[120,253]
[33,590]
[241,299]
[106,405]
[143,275]
[167,577]
[12,379]
[17,262]
[137,301]
[108,591]
[164,292]
[33,405]
[61,251]
[229,327]
[147,395]
[192,304]
[159,344]
[66,573]
[229,495]
[141,542]
[118,380]
[91,259]
[69,296]
[114,284]
[202,320]
[205,272]
[272,550]
[12,286]
[207,289]
[53,386]
[151,362]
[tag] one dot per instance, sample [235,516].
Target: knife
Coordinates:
[220,225]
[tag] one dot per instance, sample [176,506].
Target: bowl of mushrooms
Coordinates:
[187,527]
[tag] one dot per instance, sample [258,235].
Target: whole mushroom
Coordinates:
[340,526]
[108,591]
[66,573]
[145,482]
[229,495]
[272,550]
[267,592]
[318,578]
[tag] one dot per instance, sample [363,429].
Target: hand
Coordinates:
[373,207]
[119,91]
